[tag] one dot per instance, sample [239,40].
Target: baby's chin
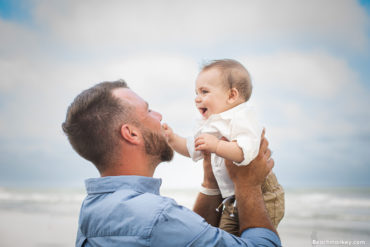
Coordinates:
[207,115]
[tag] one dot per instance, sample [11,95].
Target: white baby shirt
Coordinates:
[238,124]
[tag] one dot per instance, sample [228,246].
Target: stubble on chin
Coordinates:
[157,146]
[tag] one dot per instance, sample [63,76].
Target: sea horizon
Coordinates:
[311,215]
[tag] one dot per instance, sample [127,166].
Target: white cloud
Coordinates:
[308,96]
[314,74]
[16,40]
[302,95]
[39,93]
[166,81]
[129,23]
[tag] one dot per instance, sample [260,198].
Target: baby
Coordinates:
[228,130]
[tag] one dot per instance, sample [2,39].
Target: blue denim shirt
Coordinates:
[128,211]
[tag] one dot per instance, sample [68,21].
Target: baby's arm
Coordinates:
[225,149]
[177,142]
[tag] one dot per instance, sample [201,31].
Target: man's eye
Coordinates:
[149,110]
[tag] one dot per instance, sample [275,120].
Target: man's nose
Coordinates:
[158,115]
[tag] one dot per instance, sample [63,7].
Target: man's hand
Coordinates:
[209,180]
[256,172]
[248,181]
[206,142]
[205,205]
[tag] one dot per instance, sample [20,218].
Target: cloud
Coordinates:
[313,104]
[314,74]
[310,91]
[36,94]
[296,107]
[311,100]
[203,23]
[39,94]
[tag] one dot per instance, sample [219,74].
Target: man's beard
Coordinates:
[156,145]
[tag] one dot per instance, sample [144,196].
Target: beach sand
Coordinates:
[37,229]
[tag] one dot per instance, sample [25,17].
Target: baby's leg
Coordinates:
[273,195]
[229,219]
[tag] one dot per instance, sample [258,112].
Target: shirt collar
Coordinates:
[114,183]
[229,113]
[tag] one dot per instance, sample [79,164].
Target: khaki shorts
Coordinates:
[273,195]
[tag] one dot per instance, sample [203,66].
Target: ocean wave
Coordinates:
[40,197]
[335,206]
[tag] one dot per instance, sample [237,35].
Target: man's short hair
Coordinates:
[234,74]
[94,120]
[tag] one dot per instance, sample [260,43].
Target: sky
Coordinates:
[309,62]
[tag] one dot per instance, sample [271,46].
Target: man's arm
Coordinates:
[205,205]
[247,181]
[189,230]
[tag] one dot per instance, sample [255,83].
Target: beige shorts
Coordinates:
[273,195]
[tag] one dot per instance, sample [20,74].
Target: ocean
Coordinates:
[313,217]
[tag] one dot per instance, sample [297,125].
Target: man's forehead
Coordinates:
[128,95]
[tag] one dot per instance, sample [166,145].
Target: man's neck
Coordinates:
[138,165]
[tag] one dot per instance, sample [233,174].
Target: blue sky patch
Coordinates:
[15,10]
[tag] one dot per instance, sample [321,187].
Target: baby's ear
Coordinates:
[233,95]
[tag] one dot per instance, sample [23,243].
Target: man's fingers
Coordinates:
[268,154]
[263,139]
[263,147]
[263,133]
[270,164]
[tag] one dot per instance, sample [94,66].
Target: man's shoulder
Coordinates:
[121,212]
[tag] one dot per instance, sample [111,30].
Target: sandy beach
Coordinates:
[37,229]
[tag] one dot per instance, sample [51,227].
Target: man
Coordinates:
[114,128]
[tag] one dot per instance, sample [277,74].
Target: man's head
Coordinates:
[149,124]
[95,120]
[234,75]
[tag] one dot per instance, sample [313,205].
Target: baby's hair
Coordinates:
[235,75]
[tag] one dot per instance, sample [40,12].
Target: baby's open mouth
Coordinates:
[203,110]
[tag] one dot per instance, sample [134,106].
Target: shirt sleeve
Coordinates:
[180,226]
[250,147]
[195,155]
[246,131]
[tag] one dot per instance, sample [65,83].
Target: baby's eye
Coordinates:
[204,91]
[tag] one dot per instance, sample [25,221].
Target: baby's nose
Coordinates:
[197,99]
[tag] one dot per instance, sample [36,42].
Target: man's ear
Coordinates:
[233,95]
[130,133]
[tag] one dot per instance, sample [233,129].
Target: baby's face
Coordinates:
[211,95]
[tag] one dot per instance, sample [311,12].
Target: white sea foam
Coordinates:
[33,201]
[40,197]
[339,209]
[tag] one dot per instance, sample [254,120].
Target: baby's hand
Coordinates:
[168,132]
[206,142]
